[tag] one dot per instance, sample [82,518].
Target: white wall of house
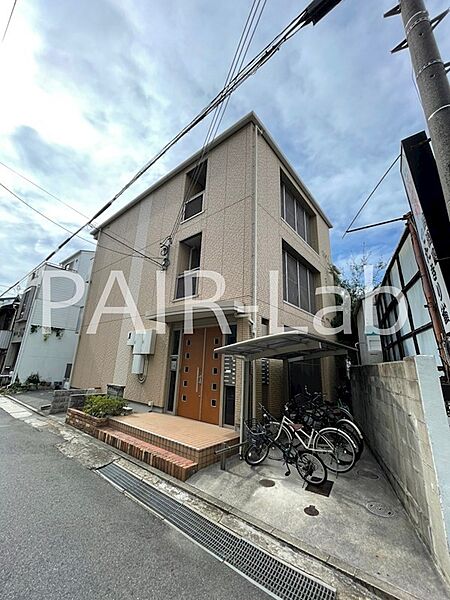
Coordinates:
[49,353]
[370,350]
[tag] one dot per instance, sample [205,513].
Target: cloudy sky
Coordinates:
[91,89]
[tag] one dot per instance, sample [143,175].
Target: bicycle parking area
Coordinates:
[360,523]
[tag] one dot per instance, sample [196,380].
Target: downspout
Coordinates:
[242,410]
[255,265]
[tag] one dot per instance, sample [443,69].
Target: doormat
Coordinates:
[322,490]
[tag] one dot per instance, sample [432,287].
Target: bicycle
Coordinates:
[309,466]
[337,447]
[312,410]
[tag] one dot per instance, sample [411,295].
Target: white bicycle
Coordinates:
[336,448]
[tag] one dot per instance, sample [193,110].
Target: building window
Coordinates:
[295,213]
[194,191]
[193,207]
[188,265]
[25,305]
[412,338]
[298,281]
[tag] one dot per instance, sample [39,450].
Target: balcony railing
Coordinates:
[5,338]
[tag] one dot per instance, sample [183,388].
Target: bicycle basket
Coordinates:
[255,429]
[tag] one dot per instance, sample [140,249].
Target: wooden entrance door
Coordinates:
[200,375]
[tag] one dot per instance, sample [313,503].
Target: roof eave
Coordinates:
[251,117]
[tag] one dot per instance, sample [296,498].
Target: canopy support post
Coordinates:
[245,395]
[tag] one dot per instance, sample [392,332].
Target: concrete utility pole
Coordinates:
[431,76]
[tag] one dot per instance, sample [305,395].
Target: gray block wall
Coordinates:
[401,410]
[62,399]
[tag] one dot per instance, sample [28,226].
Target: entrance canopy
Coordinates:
[288,345]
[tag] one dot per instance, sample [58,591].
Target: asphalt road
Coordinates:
[65,533]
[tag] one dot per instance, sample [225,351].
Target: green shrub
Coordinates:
[103,406]
[34,379]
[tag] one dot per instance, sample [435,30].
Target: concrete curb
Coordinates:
[373,584]
[27,406]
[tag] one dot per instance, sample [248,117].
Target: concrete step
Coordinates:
[173,464]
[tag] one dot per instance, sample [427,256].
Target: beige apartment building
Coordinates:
[238,209]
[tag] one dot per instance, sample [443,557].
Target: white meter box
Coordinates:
[144,342]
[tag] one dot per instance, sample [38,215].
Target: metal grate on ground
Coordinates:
[275,577]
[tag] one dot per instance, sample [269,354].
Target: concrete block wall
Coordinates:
[401,410]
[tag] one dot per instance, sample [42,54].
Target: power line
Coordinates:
[219,112]
[42,189]
[9,21]
[42,214]
[371,194]
[250,69]
[142,255]
[39,187]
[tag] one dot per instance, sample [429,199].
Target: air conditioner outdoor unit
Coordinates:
[131,338]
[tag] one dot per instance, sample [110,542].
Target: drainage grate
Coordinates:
[322,490]
[380,510]
[274,576]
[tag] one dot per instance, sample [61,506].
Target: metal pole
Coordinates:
[431,76]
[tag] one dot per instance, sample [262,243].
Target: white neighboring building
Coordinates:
[369,342]
[49,354]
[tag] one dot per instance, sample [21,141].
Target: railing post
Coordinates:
[223,457]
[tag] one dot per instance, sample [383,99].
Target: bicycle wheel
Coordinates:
[340,412]
[282,436]
[351,429]
[311,468]
[256,454]
[336,448]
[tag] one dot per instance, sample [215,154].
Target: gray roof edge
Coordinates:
[250,117]
[76,254]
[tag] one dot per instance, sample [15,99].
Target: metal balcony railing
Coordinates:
[5,338]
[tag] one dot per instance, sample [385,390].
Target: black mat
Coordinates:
[322,490]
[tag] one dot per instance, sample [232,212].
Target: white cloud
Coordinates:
[92,90]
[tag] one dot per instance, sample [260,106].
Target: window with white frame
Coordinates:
[294,212]
[188,265]
[299,286]
[194,191]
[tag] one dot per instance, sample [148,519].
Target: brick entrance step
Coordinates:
[194,440]
[173,464]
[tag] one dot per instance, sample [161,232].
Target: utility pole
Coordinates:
[431,75]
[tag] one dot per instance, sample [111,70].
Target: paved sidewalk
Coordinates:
[343,534]
[341,526]
[92,454]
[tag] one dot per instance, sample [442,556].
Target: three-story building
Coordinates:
[237,209]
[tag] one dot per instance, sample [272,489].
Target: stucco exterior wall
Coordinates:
[272,230]
[228,244]
[226,228]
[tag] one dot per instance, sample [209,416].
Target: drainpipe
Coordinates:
[255,264]
[429,296]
